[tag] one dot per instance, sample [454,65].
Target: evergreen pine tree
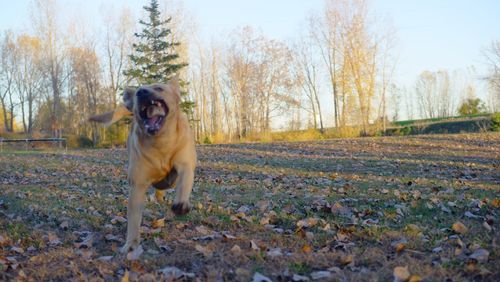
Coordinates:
[155,59]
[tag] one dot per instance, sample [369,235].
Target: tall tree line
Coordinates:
[337,72]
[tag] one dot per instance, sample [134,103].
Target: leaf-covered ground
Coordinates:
[405,209]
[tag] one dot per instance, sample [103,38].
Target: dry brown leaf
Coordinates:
[254,246]
[308,222]
[125,277]
[459,227]
[158,223]
[264,221]
[4,241]
[53,239]
[227,237]
[400,247]
[345,260]
[236,250]
[495,203]
[415,278]
[202,229]
[306,249]
[206,251]
[401,274]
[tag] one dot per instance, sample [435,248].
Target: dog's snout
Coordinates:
[142,92]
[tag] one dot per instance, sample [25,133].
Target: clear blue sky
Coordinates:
[444,34]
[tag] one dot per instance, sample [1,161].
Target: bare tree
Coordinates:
[326,30]
[492,56]
[86,83]
[117,43]
[28,77]
[306,72]
[425,88]
[46,26]
[7,74]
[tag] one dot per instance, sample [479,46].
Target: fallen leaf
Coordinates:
[401,274]
[264,221]
[487,226]
[309,236]
[276,252]
[53,239]
[125,277]
[202,229]
[415,278]
[459,227]
[236,250]
[227,237]
[18,250]
[158,223]
[495,202]
[470,215]
[86,243]
[257,277]
[105,258]
[173,273]
[254,246]
[308,222]
[481,255]
[4,241]
[207,252]
[345,260]
[322,274]
[399,245]
[338,210]
[117,219]
[299,278]
[306,249]
[64,225]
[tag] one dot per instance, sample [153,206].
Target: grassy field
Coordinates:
[411,208]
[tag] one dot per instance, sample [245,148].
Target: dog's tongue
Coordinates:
[151,122]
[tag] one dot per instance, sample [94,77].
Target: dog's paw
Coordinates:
[180,208]
[129,246]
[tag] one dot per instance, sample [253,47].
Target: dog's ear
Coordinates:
[111,117]
[175,87]
[128,98]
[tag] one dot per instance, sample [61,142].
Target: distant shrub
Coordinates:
[207,140]
[405,131]
[79,141]
[495,122]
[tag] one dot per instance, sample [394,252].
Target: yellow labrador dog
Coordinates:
[160,147]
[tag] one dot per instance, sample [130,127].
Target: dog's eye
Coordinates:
[158,88]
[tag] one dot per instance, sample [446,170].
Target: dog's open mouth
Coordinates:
[153,114]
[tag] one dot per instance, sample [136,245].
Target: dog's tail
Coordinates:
[111,117]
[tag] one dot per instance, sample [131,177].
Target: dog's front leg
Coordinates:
[183,190]
[136,200]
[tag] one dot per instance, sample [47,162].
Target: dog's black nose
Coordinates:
[142,92]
